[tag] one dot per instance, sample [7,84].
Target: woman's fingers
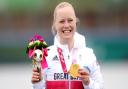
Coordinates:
[35,79]
[36,76]
[83,72]
[84,75]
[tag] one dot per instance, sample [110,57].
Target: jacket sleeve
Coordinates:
[39,85]
[96,79]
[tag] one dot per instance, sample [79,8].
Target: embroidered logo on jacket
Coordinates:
[55,58]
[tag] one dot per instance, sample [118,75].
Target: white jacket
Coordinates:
[84,57]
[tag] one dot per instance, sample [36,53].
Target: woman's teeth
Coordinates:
[66,31]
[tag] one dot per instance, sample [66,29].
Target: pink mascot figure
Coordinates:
[37,51]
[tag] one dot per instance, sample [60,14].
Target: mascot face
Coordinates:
[38,55]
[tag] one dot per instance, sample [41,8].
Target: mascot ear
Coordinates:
[45,51]
[30,52]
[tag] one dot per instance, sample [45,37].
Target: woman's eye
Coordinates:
[70,20]
[62,21]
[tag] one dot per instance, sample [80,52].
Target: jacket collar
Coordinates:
[79,41]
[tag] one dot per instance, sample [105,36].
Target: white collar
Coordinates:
[79,41]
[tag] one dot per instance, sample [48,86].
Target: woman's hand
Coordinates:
[36,75]
[84,75]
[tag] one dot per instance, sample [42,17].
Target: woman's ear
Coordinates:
[77,21]
[53,30]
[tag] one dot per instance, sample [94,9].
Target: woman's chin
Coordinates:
[67,37]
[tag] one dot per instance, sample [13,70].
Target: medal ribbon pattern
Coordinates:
[61,57]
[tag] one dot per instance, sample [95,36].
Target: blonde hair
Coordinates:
[60,5]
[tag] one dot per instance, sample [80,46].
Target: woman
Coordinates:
[68,49]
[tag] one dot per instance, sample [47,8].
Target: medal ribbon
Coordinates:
[61,57]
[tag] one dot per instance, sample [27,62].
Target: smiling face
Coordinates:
[65,23]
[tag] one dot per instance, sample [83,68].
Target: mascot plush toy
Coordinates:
[37,51]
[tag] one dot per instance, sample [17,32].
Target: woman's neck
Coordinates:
[69,42]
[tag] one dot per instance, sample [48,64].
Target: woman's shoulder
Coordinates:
[52,52]
[86,50]
[88,53]
[52,49]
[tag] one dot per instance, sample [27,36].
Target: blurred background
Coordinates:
[104,23]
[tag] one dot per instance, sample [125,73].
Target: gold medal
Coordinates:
[74,70]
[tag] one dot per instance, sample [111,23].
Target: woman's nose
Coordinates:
[66,24]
